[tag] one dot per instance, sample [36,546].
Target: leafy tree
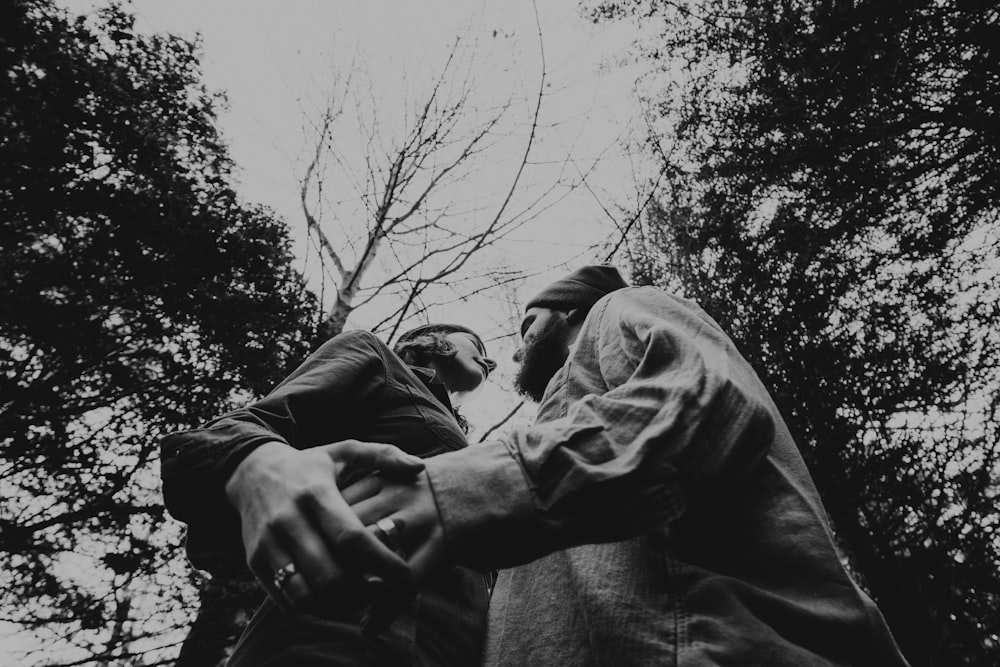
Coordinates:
[842,222]
[138,295]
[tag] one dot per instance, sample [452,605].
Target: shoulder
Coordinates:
[637,316]
[356,336]
[647,298]
[365,342]
[632,304]
[357,346]
[357,339]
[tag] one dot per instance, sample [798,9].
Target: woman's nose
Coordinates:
[490,364]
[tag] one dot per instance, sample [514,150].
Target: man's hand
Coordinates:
[417,532]
[296,522]
[410,505]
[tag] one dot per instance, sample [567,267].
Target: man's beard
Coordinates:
[541,358]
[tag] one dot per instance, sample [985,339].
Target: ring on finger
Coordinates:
[283,574]
[387,530]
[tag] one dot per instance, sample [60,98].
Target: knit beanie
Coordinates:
[580,289]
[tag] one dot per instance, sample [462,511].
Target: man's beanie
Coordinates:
[580,289]
[435,328]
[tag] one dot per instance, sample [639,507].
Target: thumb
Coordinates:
[391,461]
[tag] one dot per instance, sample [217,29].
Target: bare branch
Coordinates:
[329,116]
[499,424]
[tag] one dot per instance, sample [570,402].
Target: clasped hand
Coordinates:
[303,533]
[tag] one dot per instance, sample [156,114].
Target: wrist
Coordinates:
[247,474]
[485,506]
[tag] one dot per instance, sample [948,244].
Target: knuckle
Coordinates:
[350,538]
[314,494]
[345,446]
[325,579]
[278,522]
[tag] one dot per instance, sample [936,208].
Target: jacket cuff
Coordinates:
[486,506]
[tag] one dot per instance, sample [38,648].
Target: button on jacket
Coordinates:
[659,510]
[351,387]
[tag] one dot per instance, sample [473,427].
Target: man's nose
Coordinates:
[518,355]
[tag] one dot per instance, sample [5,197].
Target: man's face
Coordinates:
[546,336]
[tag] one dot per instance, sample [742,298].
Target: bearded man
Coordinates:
[657,512]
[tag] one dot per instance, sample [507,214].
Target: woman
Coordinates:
[252,485]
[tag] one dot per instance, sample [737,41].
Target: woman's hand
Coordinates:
[299,533]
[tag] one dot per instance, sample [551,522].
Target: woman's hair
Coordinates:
[420,346]
[423,348]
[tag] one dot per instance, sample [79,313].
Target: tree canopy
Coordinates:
[833,201]
[138,295]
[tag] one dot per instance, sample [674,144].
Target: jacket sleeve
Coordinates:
[677,408]
[313,406]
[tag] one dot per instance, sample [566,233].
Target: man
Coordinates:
[657,512]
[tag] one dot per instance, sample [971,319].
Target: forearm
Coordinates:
[680,410]
[310,408]
[486,506]
[495,515]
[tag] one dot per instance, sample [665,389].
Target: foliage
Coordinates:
[842,223]
[137,296]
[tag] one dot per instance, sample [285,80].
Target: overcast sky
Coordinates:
[274,62]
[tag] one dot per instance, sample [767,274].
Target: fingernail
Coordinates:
[374,585]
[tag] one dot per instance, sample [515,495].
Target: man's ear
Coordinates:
[574,320]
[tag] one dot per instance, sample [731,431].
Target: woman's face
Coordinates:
[468,368]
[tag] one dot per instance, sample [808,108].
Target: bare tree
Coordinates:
[402,223]
[403,208]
